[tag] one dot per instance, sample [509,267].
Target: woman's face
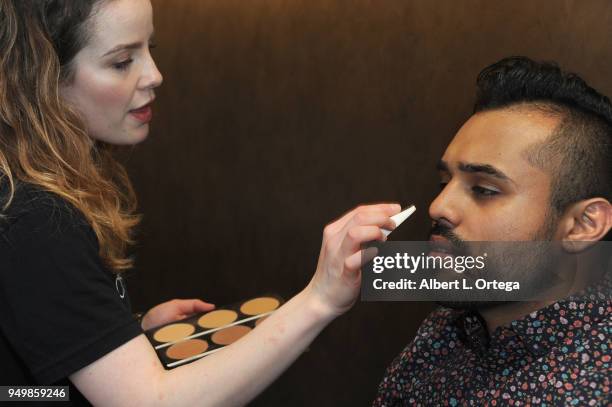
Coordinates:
[115,76]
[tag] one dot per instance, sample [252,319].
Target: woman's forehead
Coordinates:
[118,22]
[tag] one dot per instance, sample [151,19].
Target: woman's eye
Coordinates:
[442,185]
[123,65]
[484,192]
[152,45]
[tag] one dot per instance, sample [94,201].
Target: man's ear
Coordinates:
[585,223]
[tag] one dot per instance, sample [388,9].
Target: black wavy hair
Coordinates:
[579,152]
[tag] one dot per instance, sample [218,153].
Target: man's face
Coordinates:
[490,191]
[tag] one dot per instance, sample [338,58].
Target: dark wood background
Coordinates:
[276,116]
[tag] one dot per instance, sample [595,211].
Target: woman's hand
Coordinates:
[235,375]
[173,310]
[336,283]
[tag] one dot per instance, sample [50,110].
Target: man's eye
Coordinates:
[123,65]
[484,192]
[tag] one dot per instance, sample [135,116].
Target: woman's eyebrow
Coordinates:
[130,46]
[121,47]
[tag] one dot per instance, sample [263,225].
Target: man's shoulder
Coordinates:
[431,347]
[440,320]
[437,334]
[592,346]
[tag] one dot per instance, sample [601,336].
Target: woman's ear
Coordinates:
[585,223]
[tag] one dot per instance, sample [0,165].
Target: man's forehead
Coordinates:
[500,138]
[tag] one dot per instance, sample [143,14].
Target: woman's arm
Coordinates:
[133,375]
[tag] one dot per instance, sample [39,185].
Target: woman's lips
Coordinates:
[143,115]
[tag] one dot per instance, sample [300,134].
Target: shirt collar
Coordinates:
[561,322]
[552,326]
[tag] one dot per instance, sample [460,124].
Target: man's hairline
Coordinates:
[546,109]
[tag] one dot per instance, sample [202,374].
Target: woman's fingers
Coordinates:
[355,261]
[375,215]
[337,279]
[337,226]
[192,306]
[372,217]
[358,235]
[353,236]
[345,241]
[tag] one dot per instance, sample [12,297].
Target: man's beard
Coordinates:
[530,263]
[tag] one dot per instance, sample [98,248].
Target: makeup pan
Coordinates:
[186,349]
[215,319]
[259,306]
[174,332]
[229,335]
[184,341]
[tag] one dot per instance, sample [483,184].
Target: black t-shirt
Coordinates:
[60,307]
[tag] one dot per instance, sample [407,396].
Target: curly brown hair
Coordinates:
[43,140]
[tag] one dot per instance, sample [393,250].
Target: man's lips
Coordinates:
[440,246]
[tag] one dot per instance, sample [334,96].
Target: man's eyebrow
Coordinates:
[442,166]
[483,168]
[488,169]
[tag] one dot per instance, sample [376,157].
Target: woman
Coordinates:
[76,78]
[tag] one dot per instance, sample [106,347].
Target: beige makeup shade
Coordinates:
[187,349]
[217,318]
[174,332]
[259,305]
[230,334]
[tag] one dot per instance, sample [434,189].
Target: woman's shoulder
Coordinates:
[33,206]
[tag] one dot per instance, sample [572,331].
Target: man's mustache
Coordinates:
[457,245]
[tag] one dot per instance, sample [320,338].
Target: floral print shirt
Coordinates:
[556,356]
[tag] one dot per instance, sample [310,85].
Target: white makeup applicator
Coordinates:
[400,218]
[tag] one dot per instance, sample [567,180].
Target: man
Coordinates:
[532,163]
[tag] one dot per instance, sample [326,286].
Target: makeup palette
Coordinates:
[184,341]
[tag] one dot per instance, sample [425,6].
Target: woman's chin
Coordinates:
[127,137]
[139,135]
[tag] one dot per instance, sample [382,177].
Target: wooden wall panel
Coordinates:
[276,116]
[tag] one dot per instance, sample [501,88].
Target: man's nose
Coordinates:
[446,206]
